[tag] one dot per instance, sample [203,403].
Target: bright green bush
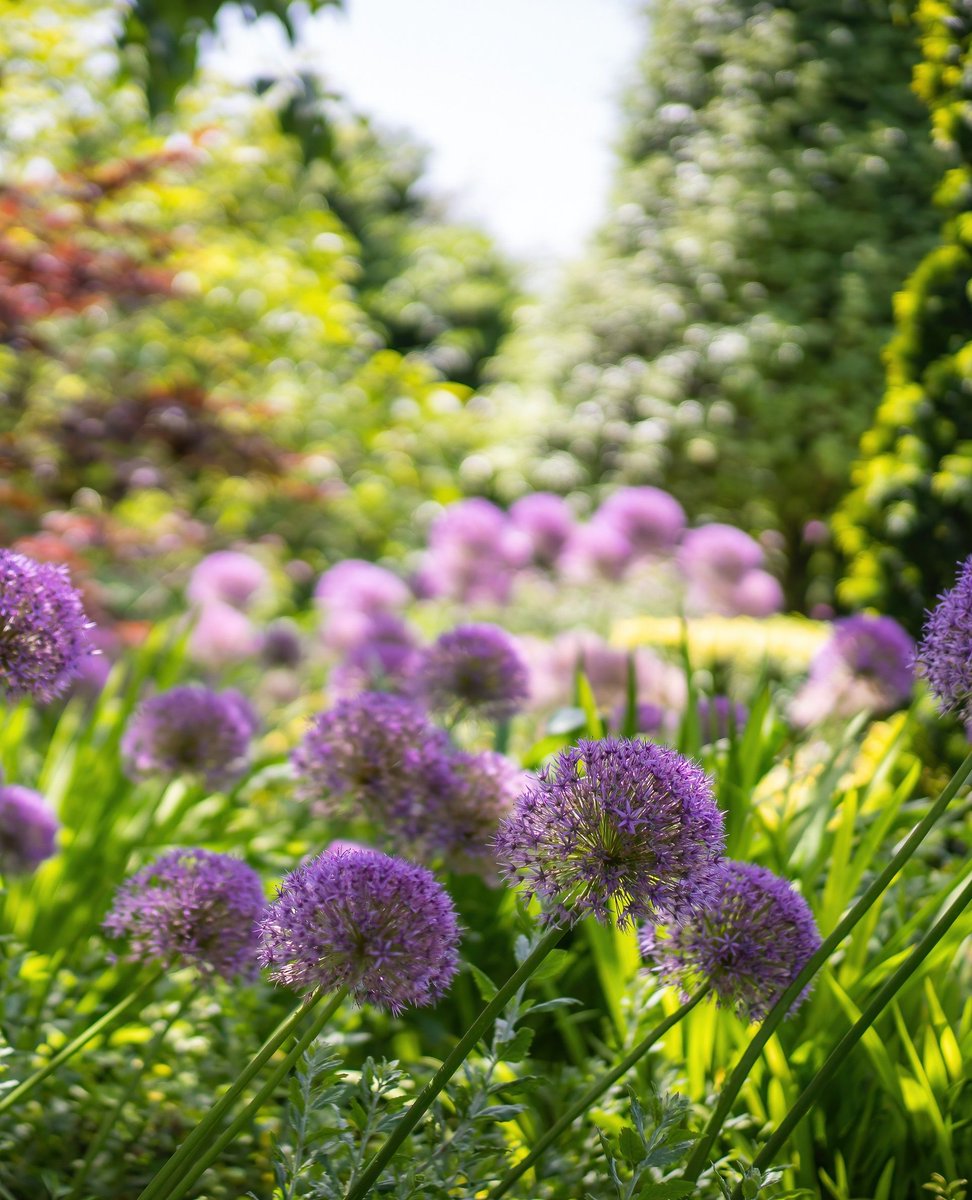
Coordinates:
[906,520]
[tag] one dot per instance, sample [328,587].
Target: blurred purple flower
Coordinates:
[386,659]
[462,827]
[596,551]
[281,645]
[42,628]
[715,560]
[222,635]
[749,945]
[944,657]
[547,521]
[651,520]
[378,926]
[192,908]
[193,731]
[359,586]
[474,669]
[649,718]
[227,577]
[474,553]
[757,594]
[616,828]
[28,829]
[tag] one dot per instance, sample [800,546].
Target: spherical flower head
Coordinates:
[374,755]
[360,586]
[190,731]
[749,945]
[650,519]
[616,828]
[474,668]
[944,656]
[227,577]
[28,829]
[42,628]
[280,645]
[474,554]
[719,716]
[719,551]
[596,551]
[357,919]
[222,635]
[386,658]
[547,521]
[757,594]
[191,908]
[462,826]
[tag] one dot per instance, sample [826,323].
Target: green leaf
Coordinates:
[630,1146]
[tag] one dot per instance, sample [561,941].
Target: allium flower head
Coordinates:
[757,594]
[280,645]
[474,668]
[362,587]
[547,521]
[749,945]
[385,659]
[474,553]
[192,731]
[596,551]
[462,827]
[378,756]
[717,562]
[378,926]
[944,655]
[42,628]
[616,828]
[227,577]
[221,635]
[27,829]
[649,518]
[191,908]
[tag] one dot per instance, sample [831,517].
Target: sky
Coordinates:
[518,100]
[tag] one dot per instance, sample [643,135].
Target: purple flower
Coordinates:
[193,731]
[378,756]
[385,658]
[280,645]
[42,628]
[547,522]
[616,827]
[462,826]
[362,587]
[222,634]
[191,908]
[378,926]
[944,655]
[716,560]
[649,718]
[227,577]
[474,553]
[596,551]
[474,668]
[28,829]
[757,594]
[749,945]
[651,520]
[719,715]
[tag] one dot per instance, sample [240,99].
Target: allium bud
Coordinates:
[28,829]
[616,828]
[357,919]
[749,945]
[42,628]
[191,908]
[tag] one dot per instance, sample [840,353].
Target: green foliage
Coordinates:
[905,522]
[722,338]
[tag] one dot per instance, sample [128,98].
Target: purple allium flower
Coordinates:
[474,668]
[596,551]
[715,559]
[28,829]
[462,827]
[193,731]
[362,587]
[474,553]
[547,521]
[227,577]
[757,594]
[650,519]
[719,715]
[221,635]
[192,908]
[42,628]
[378,756]
[944,656]
[280,645]
[616,827]
[385,659]
[378,926]
[749,945]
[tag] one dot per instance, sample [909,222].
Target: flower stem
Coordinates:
[195,1168]
[186,1153]
[594,1093]
[132,1001]
[703,1146]
[361,1186]
[838,1056]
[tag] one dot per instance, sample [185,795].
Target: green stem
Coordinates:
[176,1164]
[594,1093]
[111,1116]
[132,1000]
[423,1101]
[838,1056]
[703,1146]
[194,1169]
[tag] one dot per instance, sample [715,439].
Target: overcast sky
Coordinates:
[517,99]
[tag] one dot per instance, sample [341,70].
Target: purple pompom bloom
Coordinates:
[42,628]
[227,577]
[362,587]
[716,560]
[378,756]
[596,551]
[192,731]
[462,826]
[28,829]
[547,521]
[650,519]
[385,659]
[616,828]
[221,635]
[191,908]
[357,919]
[474,668]
[748,946]
[474,553]
[280,645]
[944,655]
